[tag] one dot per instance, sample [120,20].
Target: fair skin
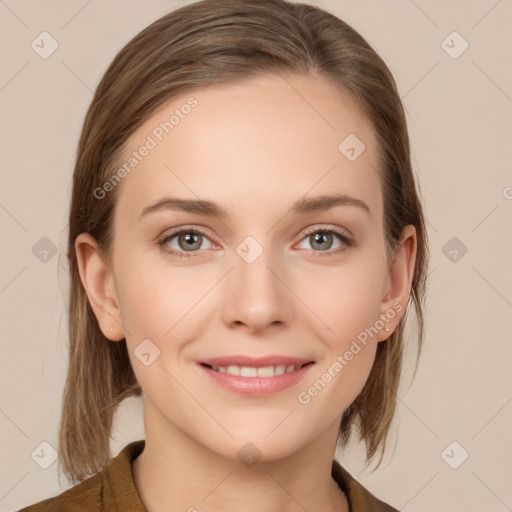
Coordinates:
[254,147]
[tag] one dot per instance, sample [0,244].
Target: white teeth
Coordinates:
[251,371]
[280,369]
[233,370]
[266,371]
[247,371]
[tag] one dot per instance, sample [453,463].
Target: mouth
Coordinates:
[257,371]
[256,376]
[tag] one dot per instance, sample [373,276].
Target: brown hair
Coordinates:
[217,41]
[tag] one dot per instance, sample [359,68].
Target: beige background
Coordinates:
[460,115]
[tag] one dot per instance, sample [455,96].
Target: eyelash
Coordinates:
[346,241]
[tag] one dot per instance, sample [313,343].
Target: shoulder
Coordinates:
[84,496]
[109,490]
[360,499]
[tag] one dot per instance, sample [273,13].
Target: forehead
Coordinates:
[263,141]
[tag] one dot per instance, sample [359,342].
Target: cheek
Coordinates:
[347,299]
[155,300]
[349,309]
[162,306]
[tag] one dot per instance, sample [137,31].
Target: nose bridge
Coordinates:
[252,267]
[257,297]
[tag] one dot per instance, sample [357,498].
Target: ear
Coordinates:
[399,281]
[98,281]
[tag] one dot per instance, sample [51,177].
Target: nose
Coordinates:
[257,297]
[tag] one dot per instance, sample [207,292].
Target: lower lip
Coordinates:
[257,386]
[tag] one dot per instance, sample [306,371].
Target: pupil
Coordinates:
[189,238]
[321,237]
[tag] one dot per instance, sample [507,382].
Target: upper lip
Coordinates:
[257,362]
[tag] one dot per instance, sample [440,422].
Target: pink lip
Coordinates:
[240,360]
[256,386]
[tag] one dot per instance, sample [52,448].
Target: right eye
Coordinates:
[188,240]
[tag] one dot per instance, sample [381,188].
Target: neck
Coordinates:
[175,472]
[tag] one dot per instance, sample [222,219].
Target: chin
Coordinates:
[255,446]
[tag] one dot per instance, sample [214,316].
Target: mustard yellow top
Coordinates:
[113,490]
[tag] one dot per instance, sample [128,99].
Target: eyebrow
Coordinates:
[301,207]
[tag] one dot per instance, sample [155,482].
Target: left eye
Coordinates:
[321,240]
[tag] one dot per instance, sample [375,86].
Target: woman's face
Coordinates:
[264,277]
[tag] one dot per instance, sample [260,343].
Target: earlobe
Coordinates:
[97,279]
[400,276]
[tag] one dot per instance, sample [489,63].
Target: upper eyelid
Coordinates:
[327,227]
[174,232]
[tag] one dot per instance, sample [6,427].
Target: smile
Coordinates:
[262,371]
[255,376]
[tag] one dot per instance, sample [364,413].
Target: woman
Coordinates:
[245,237]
